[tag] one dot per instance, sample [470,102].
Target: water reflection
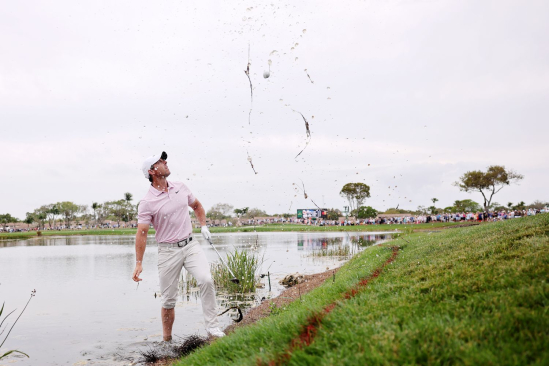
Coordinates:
[315,243]
[72,240]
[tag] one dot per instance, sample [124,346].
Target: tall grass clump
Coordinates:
[245,266]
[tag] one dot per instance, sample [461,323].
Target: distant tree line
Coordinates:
[66,212]
[488,183]
[225,211]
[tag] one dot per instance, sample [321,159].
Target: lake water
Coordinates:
[88,311]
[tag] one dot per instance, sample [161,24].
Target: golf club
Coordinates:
[234,279]
[240,316]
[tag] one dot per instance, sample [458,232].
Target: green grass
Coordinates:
[243,229]
[477,295]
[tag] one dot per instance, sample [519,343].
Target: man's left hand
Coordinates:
[206,233]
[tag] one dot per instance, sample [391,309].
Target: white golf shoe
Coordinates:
[216,332]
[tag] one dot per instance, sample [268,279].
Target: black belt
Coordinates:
[179,244]
[184,242]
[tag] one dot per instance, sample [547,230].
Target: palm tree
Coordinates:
[435,200]
[95,206]
[128,197]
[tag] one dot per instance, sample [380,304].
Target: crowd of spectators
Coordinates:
[381,219]
[445,217]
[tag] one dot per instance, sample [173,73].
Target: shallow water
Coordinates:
[88,311]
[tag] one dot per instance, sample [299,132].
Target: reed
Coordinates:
[33,293]
[187,282]
[245,266]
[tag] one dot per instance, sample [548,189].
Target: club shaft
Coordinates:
[222,261]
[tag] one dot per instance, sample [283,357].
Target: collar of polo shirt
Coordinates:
[157,192]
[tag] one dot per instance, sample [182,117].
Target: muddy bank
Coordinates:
[289,295]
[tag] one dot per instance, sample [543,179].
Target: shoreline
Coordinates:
[243,229]
[289,295]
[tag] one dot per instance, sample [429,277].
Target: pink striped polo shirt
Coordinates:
[168,212]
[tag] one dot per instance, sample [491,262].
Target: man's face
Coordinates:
[160,169]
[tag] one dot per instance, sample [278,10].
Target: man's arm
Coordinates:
[140,244]
[201,216]
[199,212]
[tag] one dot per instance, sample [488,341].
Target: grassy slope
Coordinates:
[466,296]
[263,228]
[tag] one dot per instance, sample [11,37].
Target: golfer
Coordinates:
[165,206]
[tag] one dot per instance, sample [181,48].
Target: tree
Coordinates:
[214,214]
[466,206]
[116,209]
[40,215]
[366,212]
[520,206]
[224,208]
[537,204]
[255,212]
[130,212]
[241,211]
[220,211]
[95,207]
[87,219]
[333,214]
[29,219]
[435,200]
[51,211]
[355,193]
[6,219]
[101,212]
[68,211]
[487,183]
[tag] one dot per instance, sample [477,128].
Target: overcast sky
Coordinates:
[407,96]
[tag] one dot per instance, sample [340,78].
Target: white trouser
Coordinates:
[170,262]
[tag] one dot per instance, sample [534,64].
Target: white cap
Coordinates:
[150,161]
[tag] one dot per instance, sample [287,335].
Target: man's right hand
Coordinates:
[137,271]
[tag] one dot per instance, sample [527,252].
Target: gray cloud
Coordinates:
[422,91]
